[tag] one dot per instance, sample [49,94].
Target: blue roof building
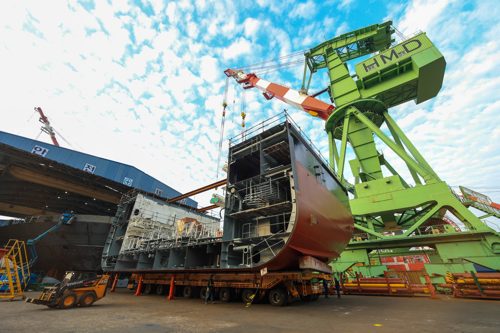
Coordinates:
[115,171]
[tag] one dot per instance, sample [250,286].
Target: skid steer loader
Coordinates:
[73,291]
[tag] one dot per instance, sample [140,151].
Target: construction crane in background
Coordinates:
[390,213]
[46,128]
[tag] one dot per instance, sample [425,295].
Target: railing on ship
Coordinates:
[152,230]
[435,229]
[273,121]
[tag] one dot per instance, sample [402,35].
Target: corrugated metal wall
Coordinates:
[115,171]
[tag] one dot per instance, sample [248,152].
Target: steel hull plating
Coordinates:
[323,227]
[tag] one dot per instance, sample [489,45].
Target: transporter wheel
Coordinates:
[148,289]
[160,289]
[187,292]
[278,297]
[67,301]
[87,299]
[225,295]
[306,298]
[203,293]
[247,295]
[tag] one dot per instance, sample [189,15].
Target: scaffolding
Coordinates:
[14,270]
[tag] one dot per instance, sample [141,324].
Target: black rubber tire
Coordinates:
[203,292]
[160,289]
[306,298]
[225,295]
[187,292]
[147,289]
[278,297]
[314,297]
[247,295]
[66,303]
[87,299]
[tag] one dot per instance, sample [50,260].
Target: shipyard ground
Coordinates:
[122,312]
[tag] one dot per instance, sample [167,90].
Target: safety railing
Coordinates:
[421,231]
[273,121]
[151,230]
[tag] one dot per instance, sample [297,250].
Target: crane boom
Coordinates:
[309,104]
[47,128]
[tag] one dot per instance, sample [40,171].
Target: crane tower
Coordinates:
[391,212]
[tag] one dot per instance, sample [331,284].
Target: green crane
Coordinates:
[390,212]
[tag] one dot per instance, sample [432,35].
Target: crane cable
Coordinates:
[276,66]
[223,120]
[399,33]
[262,63]
[242,108]
[271,65]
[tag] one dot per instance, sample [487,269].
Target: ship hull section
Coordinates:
[282,204]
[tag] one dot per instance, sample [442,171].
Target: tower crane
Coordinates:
[390,212]
[46,127]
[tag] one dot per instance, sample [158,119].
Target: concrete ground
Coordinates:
[123,312]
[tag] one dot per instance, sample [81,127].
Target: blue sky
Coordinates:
[142,82]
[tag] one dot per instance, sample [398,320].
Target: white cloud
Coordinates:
[345,4]
[420,15]
[342,29]
[238,48]
[251,26]
[171,12]
[209,69]
[192,29]
[303,10]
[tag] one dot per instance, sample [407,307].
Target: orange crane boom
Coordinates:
[309,104]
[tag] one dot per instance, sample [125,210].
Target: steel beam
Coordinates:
[198,191]
[204,209]
[64,185]
[6,208]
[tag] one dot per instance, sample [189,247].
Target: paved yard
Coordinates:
[123,312]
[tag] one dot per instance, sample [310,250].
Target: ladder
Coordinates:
[14,270]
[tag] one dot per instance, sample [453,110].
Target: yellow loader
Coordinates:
[73,291]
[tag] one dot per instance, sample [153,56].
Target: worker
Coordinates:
[325,288]
[337,286]
[210,290]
